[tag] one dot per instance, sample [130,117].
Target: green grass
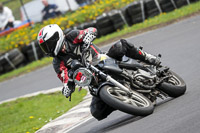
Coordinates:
[27,115]
[160,19]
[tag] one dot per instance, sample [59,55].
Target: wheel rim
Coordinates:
[174,80]
[134,99]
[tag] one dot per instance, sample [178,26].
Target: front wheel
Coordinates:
[174,86]
[134,103]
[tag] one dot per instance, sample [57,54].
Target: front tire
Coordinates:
[135,104]
[174,87]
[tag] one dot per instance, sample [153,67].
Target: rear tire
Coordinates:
[174,87]
[136,104]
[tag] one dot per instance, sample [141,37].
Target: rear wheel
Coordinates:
[134,103]
[175,86]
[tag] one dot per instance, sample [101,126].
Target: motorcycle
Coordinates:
[129,85]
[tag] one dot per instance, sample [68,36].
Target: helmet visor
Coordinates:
[49,46]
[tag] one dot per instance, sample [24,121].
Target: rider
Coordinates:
[65,48]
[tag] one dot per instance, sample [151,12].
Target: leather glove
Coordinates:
[68,89]
[89,37]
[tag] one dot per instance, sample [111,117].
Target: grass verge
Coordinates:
[27,115]
[26,69]
[152,23]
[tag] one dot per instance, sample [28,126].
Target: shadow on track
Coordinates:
[121,122]
[106,126]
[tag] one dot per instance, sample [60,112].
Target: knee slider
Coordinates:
[118,44]
[126,43]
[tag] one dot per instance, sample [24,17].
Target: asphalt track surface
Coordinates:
[179,45]
[42,79]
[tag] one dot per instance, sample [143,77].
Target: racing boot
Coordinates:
[124,47]
[148,58]
[151,59]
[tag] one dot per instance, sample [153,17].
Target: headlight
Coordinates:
[82,77]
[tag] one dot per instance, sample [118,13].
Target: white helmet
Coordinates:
[50,39]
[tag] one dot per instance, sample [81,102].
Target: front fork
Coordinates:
[110,79]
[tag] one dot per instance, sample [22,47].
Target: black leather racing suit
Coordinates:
[74,42]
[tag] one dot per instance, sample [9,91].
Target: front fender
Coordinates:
[103,84]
